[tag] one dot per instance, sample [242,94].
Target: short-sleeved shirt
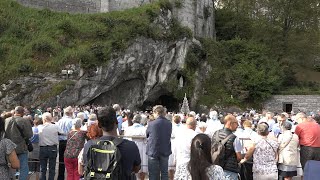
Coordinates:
[237,145]
[75,143]
[264,157]
[6,148]
[48,134]
[308,133]
[130,156]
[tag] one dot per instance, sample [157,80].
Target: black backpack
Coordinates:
[218,149]
[103,160]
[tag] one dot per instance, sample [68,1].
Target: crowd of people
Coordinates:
[158,144]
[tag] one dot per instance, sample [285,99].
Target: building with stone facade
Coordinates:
[197,15]
[295,103]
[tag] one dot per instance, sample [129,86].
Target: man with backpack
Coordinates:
[19,131]
[226,148]
[110,157]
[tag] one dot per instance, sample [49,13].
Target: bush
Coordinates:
[177,31]
[178,3]
[25,68]
[43,49]
[3,25]
[68,28]
[97,50]
[166,4]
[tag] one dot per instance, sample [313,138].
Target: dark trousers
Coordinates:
[309,153]
[158,166]
[62,148]
[48,153]
[246,171]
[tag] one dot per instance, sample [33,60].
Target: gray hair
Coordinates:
[287,125]
[137,119]
[116,107]
[302,115]
[81,115]
[262,129]
[92,117]
[76,123]
[144,119]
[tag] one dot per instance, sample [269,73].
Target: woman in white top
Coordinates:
[200,166]
[288,152]
[138,130]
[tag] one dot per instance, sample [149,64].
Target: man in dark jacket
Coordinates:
[232,147]
[159,144]
[12,126]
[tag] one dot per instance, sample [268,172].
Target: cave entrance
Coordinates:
[171,103]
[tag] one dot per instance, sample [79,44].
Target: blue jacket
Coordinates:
[159,137]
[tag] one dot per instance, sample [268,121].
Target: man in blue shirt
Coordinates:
[65,124]
[158,145]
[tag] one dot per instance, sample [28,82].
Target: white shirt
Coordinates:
[247,133]
[270,122]
[124,125]
[213,126]
[135,130]
[176,128]
[183,144]
[48,134]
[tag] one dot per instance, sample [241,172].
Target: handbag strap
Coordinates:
[73,135]
[287,143]
[271,147]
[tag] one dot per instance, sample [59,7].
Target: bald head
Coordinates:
[191,123]
[231,122]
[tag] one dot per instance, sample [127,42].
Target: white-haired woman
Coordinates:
[137,129]
[288,152]
[75,142]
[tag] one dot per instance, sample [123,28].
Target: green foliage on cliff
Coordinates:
[56,89]
[259,48]
[34,40]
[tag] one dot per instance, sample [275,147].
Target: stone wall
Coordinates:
[72,6]
[305,103]
[116,5]
[197,15]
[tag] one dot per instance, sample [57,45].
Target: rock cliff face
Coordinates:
[135,77]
